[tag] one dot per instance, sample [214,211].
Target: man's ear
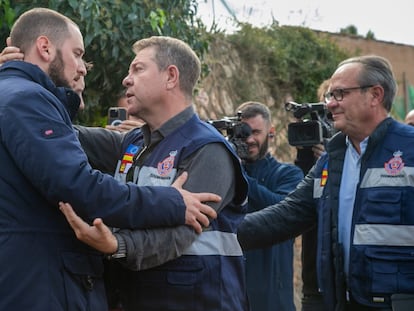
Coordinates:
[44,48]
[173,76]
[377,93]
[8,41]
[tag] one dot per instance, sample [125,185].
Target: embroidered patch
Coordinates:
[165,166]
[128,158]
[395,165]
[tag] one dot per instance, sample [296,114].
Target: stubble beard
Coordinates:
[56,73]
[262,152]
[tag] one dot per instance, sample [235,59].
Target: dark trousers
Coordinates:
[313,303]
[352,305]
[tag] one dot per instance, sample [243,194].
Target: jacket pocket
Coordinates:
[382,206]
[392,270]
[176,285]
[83,279]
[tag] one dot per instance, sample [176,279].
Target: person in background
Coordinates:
[43,163]
[269,271]
[409,118]
[312,299]
[359,193]
[209,271]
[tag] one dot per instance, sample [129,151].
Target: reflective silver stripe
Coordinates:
[215,243]
[378,177]
[317,188]
[390,235]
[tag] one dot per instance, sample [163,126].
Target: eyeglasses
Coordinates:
[338,94]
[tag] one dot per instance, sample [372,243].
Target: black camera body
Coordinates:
[311,131]
[236,133]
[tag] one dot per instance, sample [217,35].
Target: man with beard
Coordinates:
[269,271]
[44,266]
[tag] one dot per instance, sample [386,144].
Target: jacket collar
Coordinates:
[32,72]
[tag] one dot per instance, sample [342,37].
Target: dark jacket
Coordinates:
[269,271]
[376,271]
[44,266]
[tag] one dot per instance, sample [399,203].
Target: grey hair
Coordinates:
[376,70]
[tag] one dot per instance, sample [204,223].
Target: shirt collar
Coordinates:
[362,145]
[167,128]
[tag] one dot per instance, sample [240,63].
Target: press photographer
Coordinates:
[269,182]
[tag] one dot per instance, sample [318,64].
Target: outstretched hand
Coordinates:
[98,236]
[197,213]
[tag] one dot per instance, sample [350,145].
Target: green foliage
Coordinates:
[290,60]
[370,35]
[349,30]
[402,106]
[110,27]
[7,14]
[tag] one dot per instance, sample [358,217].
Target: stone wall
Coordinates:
[218,97]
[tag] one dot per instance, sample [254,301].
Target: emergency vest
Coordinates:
[382,231]
[210,274]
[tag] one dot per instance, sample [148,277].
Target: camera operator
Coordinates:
[269,271]
[306,157]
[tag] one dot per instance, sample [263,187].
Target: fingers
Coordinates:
[196,226]
[99,224]
[132,123]
[207,197]
[111,127]
[74,220]
[67,210]
[201,217]
[198,214]
[206,213]
[318,150]
[10,53]
[180,181]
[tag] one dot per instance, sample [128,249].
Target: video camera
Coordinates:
[236,133]
[308,132]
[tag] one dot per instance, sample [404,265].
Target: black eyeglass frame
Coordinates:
[338,94]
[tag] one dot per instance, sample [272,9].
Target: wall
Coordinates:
[218,97]
[401,57]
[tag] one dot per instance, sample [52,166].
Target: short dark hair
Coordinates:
[251,109]
[37,22]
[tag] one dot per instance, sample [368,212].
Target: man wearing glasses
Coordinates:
[359,194]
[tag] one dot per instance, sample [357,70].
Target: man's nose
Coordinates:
[127,81]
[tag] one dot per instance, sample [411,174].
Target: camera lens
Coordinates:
[113,113]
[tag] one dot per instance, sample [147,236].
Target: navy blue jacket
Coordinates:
[43,265]
[269,271]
